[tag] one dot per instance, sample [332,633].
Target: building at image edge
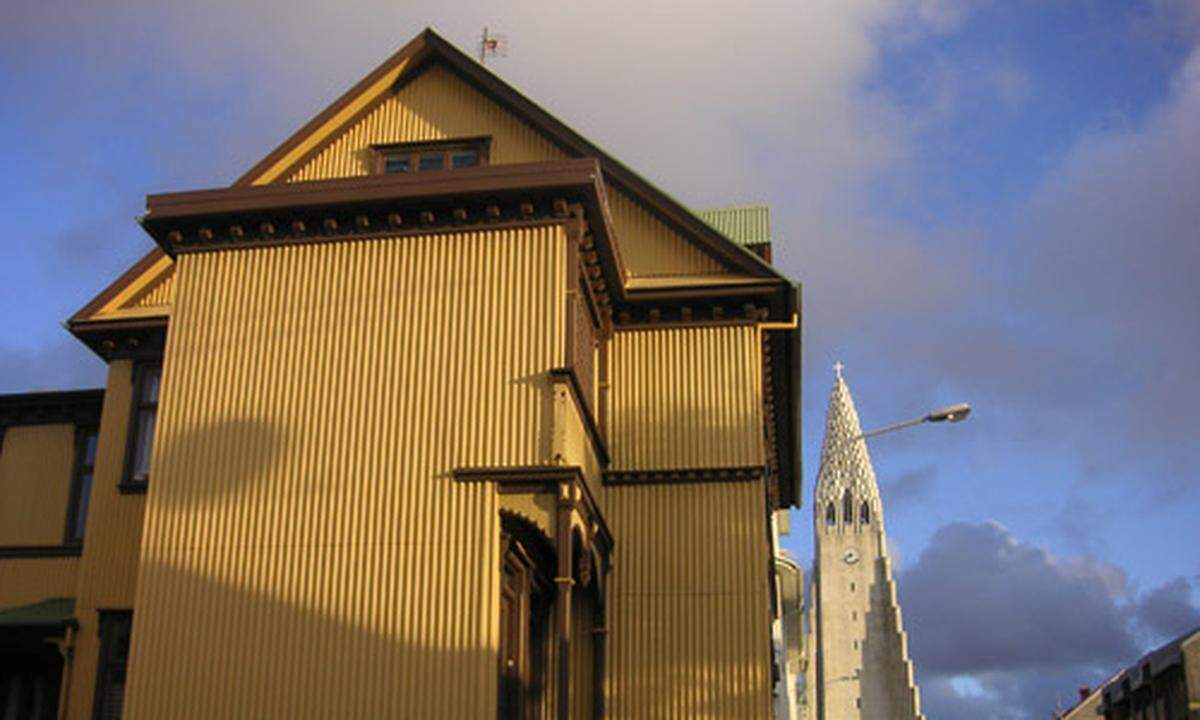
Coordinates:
[438,411]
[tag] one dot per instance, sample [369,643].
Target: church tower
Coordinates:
[862,670]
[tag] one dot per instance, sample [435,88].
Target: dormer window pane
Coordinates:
[432,161]
[431,156]
[397,164]
[464,158]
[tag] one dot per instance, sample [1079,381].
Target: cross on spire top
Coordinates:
[837,368]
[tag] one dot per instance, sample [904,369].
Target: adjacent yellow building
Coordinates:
[438,412]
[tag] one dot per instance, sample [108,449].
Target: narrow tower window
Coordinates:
[847,508]
[830,515]
[864,515]
[85,461]
[147,379]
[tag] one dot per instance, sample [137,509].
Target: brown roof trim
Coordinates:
[766,286]
[385,206]
[428,46]
[480,180]
[80,407]
[546,477]
[141,323]
[682,476]
[412,50]
[40,551]
[122,338]
[128,277]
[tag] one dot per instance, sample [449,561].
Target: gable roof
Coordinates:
[758,277]
[429,47]
[402,67]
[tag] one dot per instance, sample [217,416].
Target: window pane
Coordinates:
[397,164]
[464,158]
[143,442]
[432,161]
[84,488]
[151,378]
[114,657]
[89,451]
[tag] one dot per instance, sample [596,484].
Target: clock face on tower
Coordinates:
[850,556]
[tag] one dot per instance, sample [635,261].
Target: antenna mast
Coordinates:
[491,44]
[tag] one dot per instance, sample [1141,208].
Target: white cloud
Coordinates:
[1052,623]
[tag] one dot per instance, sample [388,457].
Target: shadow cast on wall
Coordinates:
[276,582]
[267,658]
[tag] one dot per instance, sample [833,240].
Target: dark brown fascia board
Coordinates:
[428,47]
[433,144]
[117,285]
[580,178]
[94,333]
[788,425]
[40,551]
[416,186]
[118,325]
[684,476]
[766,286]
[81,407]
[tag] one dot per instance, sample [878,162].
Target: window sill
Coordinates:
[132,488]
[33,551]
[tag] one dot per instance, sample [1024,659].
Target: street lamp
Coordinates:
[952,413]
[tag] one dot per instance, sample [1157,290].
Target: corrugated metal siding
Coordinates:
[435,106]
[306,552]
[686,398]
[745,225]
[574,444]
[35,483]
[159,294]
[113,539]
[108,570]
[689,612]
[650,248]
[28,580]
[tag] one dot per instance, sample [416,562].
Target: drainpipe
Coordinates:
[789,325]
[66,648]
[562,599]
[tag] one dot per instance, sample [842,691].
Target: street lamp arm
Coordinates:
[952,413]
[890,428]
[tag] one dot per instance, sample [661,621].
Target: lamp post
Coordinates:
[952,413]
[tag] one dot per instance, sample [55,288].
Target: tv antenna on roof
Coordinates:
[492,44]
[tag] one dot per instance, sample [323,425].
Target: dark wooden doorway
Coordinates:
[525,605]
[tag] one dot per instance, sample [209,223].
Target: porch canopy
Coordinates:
[48,614]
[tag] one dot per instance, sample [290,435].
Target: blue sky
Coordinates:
[992,202]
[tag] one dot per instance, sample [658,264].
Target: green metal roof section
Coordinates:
[55,612]
[743,224]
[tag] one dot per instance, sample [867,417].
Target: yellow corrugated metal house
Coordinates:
[438,412]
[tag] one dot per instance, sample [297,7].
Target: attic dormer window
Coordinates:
[403,158]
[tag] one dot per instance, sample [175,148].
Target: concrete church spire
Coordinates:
[845,469]
[858,667]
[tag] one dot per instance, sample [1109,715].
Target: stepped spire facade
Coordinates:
[861,668]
